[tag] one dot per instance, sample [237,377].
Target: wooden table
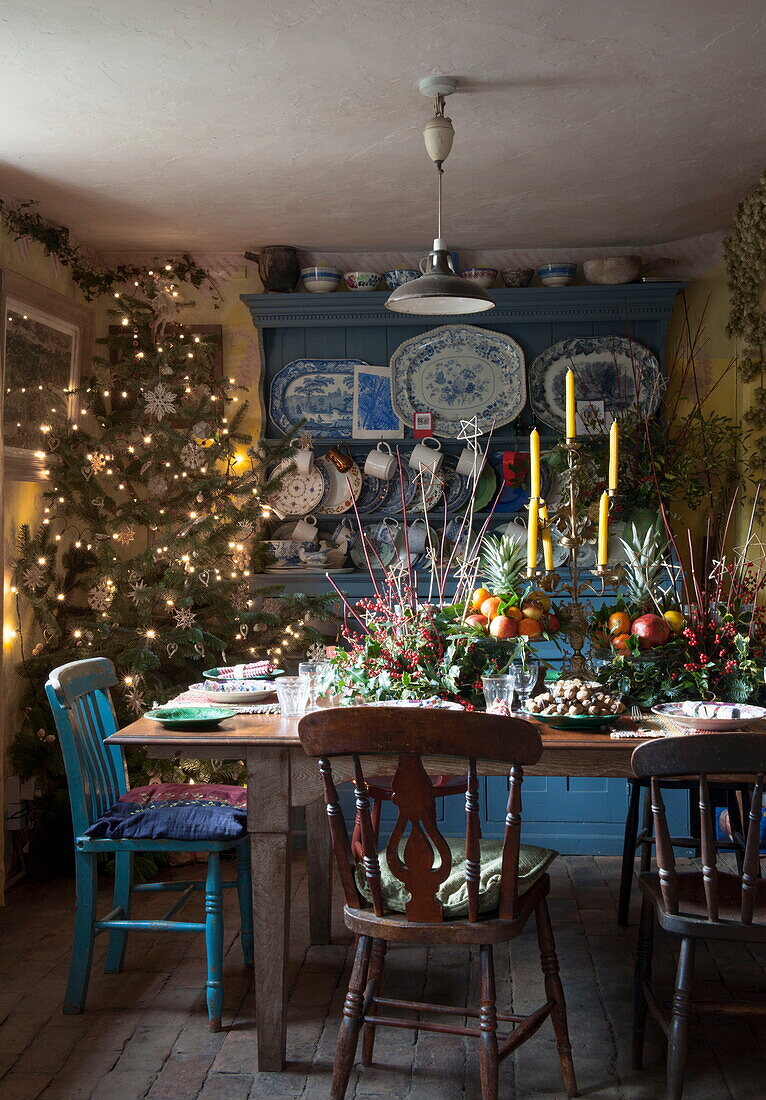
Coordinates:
[280,776]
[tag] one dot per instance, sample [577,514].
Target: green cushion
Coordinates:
[453,892]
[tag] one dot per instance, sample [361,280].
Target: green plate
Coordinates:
[190,718]
[486,488]
[573,721]
[212,674]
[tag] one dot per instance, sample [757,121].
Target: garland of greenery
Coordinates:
[23,221]
[745,257]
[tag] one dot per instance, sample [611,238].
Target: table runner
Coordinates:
[656,725]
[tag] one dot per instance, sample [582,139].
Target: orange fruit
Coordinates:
[530,628]
[514,613]
[620,642]
[490,606]
[619,623]
[502,626]
[479,596]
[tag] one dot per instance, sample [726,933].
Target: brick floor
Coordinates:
[144,1032]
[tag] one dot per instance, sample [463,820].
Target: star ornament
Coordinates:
[470,430]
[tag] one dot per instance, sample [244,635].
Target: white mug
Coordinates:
[305,529]
[417,536]
[425,456]
[303,458]
[381,462]
[470,463]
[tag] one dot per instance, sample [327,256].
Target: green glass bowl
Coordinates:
[190,718]
[573,721]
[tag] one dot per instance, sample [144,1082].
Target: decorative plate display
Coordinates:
[711,717]
[458,372]
[572,721]
[319,390]
[486,488]
[457,488]
[607,369]
[374,492]
[235,691]
[189,718]
[401,494]
[299,493]
[429,490]
[381,543]
[343,488]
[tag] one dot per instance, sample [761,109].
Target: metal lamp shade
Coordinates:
[439,291]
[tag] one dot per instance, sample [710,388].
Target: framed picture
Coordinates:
[47,343]
[374,414]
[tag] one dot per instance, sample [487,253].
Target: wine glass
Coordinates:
[526,673]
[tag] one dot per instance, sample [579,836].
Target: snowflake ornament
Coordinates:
[160,402]
[192,456]
[126,535]
[35,576]
[98,461]
[185,618]
[138,593]
[101,595]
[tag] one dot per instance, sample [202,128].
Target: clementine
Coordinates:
[479,596]
[530,628]
[490,607]
[619,623]
[620,642]
[514,613]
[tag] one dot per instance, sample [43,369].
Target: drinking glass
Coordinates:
[526,673]
[499,689]
[314,675]
[292,693]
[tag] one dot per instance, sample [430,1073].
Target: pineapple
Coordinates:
[643,566]
[503,563]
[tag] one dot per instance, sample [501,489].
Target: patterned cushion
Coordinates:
[175,811]
[453,892]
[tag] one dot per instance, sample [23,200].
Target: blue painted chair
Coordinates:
[79,695]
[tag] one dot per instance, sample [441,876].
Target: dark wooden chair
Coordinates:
[417,860]
[379,790]
[708,904]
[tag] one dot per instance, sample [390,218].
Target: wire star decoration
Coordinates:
[470,431]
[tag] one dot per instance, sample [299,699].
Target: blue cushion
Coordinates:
[175,811]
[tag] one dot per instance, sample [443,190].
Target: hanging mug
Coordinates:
[427,455]
[341,460]
[303,458]
[471,462]
[305,529]
[381,462]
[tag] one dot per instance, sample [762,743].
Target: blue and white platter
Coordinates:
[458,372]
[612,369]
[319,390]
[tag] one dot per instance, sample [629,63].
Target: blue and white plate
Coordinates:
[321,390]
[458,372]
[380,539]
[374,491]
[429,493]
[299,494]
[612,369]
[400,494]
[457,488]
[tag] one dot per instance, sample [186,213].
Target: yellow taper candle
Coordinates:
[532,540]
[614,455]
[603,530]
[534,463]
[546,537]
[571,406]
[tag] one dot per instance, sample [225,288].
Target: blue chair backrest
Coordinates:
[82,709]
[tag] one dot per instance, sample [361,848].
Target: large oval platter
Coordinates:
[319,391]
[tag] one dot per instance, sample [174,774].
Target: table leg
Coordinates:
[320,872]
[268,819]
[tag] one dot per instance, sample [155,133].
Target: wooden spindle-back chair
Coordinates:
[403,905]
[710,903]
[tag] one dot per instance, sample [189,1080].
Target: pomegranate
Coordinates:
[652,631]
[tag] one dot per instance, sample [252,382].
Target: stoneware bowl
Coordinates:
[399,276]
[558,274]
[190,718]
[517,276]
[612,269]
[362,280]
[483,276]
[287,551]
[320,280]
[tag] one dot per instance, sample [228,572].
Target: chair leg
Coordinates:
[374,978]
[643,973]
[82,944]
[488,1059]
[352,1020]
[555,993]
[245,895]
[214,940]
[628,852]
[678,1035]
[123,883]
[647,827]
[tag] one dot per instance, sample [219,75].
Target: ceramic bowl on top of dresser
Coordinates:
[362,280]
[482,276]
[399,276]
[560,273]
[517,276]
[320,280]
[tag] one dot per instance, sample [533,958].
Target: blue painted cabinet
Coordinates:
[575,814]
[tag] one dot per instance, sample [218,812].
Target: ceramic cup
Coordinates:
[417,536]
[303,458]
[381,462]
[305,529]
[341,458]
[427,454]
[470,463]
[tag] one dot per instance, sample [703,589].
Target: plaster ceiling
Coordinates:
[228,124]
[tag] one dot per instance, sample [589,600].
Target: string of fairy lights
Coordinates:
[106,465]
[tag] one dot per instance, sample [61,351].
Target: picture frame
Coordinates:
[46,343]
[374,415]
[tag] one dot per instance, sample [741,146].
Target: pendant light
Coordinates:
[439,290]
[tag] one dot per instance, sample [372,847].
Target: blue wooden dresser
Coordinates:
[573,815]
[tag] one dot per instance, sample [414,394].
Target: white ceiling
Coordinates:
[227,124]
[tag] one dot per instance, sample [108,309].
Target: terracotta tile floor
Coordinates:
[144,1032]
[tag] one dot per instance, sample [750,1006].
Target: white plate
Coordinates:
[241,697]
[338,497]
[299,493]
[710,725]
[422,704]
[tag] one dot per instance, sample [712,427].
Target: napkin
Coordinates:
[246,672]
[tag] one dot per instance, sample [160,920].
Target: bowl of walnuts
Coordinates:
[575,704]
